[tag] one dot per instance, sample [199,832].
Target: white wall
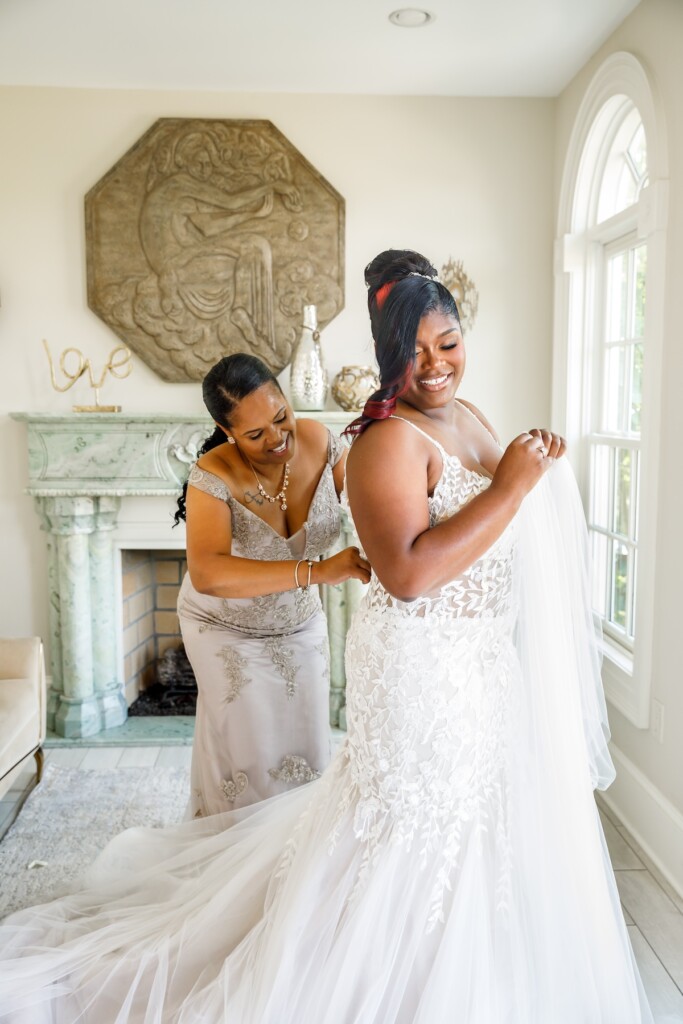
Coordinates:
[466,178]
[649,789]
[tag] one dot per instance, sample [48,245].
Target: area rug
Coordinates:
[71,816]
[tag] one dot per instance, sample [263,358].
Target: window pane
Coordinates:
[625,166]
[600,486]
[639,269]
[636,387]
[600,558]
[619,583]
[638,151]
[615,388]
[622,492]
[617,297]
[627,188]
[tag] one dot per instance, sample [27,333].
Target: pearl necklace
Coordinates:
[281,495]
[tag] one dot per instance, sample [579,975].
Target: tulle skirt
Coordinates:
[258,923]
[293,911]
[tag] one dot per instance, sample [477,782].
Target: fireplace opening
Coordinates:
[158,677]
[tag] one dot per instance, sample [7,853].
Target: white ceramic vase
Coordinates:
[307,375]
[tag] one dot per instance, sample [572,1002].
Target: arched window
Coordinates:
[611,178]
[607,355]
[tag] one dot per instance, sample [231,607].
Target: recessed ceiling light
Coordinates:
[410,17]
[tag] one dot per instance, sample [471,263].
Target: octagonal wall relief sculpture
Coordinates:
[209,237]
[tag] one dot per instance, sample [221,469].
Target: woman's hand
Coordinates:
[347,564]
[525,460]
[555,445]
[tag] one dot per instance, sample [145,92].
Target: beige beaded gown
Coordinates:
[261,663]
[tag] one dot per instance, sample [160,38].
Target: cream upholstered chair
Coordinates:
[22,707]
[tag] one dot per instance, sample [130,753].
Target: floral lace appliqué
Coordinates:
[294,768]
[234,665]
[282,657]
[232,788]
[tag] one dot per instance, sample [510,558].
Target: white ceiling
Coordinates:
[472,48]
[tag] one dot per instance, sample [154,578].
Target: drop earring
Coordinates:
[231,440]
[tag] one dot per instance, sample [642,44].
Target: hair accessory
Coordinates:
[382,293]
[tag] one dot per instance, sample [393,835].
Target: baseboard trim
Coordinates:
[653,821]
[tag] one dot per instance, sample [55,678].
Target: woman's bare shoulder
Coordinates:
[387,438]
[217,461]
[313,436]
[480,416]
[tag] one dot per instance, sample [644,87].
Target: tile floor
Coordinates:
[652,909]
[654,915]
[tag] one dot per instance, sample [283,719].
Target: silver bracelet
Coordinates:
[310,570]
[296,575]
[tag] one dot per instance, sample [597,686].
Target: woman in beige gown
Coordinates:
[262,508]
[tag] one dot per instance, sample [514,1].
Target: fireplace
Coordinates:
[158,678]
[105,484]
[150,581]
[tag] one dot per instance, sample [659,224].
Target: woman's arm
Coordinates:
[387,482]
[218,573]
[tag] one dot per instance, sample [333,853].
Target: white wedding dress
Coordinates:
[449,865]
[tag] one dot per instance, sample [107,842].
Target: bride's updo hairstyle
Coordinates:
[225,385]
[402,288]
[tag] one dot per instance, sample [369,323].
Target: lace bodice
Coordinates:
[429,684]
[483,590]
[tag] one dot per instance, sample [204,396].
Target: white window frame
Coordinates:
[620,83]
[594,432]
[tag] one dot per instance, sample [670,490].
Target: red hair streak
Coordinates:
[379,409]
[382,293]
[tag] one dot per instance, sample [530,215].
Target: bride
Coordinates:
[449,865]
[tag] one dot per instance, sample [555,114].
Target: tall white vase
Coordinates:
[307,374]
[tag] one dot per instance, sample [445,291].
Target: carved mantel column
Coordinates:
[86,695]
[80,467]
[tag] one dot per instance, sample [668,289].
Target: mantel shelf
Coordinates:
[117,454]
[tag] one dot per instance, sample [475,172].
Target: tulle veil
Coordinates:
[558,636]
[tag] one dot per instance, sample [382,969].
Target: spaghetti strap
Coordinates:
[477,420]
[442,451]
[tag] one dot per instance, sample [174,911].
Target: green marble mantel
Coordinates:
[110,454]
[81,466]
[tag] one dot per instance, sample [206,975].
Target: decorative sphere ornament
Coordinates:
[353,385]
